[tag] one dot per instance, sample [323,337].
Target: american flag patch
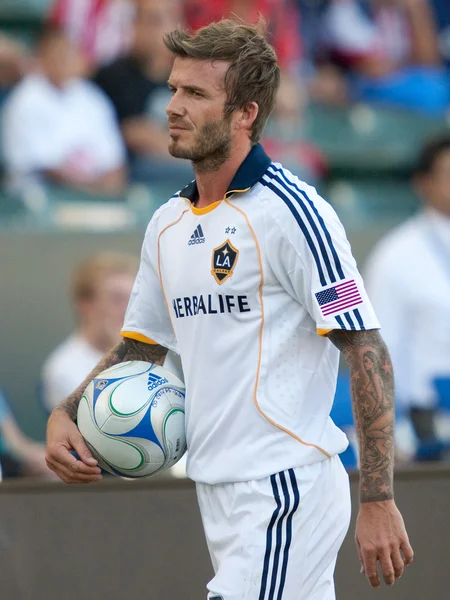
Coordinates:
[343,296]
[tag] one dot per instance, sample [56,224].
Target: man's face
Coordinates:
[435,186]
[60,60]
[105,311]
[198,127]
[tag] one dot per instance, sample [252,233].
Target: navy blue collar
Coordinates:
[249,173]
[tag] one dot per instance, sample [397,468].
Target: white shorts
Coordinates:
[277,538]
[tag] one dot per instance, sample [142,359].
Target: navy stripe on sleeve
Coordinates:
[302,226]
[337,262]
[300,202]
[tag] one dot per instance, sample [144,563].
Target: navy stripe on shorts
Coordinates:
[287,498]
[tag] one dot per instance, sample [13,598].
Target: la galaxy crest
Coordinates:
[224,260]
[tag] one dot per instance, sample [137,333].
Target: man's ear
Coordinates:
[247,116]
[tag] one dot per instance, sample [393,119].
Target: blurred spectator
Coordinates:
[390,48]
[14,61]
[100,290]
[281,15]
[442,16]
[137,86]
[408,278]
[60,128]
[101,29]
[19,455]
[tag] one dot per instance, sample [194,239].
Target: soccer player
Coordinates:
[248,275]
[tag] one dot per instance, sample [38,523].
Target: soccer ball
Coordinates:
[132,419]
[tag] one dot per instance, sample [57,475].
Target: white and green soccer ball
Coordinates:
[132,419]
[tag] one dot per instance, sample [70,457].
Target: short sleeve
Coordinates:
[147,317]
[315,263]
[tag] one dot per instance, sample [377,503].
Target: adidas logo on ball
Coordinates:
[154,381]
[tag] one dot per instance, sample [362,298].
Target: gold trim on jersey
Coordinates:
[261,329]
[139,337]
[206,209]
[323,331]
[159,260]
[224,259]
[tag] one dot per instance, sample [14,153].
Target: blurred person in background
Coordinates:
[137,87]
[60,128]
[100,291]
[100,29]
[408,279]
[441,9]
[390,50]
[19,454]
[14,62]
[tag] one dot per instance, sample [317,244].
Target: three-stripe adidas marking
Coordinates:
[317,235]
[279,535]
[197,237]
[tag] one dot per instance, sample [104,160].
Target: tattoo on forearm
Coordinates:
[126,350]
[372,390]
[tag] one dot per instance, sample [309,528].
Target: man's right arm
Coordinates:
[123,352]
[62,433]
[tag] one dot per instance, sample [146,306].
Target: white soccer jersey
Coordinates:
[241,290]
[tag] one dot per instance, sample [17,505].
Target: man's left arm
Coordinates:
[380,531]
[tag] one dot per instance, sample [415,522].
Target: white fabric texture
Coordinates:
[260,381]
[277,537]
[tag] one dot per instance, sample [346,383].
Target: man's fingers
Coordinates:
[408,552]
[358,549]
[387,568]
[83,451]
[63,457]
[70,476]
[397,562]
[369,557]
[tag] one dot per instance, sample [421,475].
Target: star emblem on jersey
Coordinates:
[224,260]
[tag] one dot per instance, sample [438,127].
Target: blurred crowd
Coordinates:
[84,106]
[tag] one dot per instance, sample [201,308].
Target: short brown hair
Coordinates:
[96,268]
[253,75]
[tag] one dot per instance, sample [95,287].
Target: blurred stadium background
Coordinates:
[365,85]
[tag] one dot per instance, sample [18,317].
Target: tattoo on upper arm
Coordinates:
[372,390]
[126,350]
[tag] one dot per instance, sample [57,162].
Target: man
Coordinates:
[100,291]
[61,128]
[137,87]
[247,274]
[416,316]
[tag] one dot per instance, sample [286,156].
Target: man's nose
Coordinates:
[175,107]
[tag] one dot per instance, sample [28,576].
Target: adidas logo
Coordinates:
[154,381]
[197,237]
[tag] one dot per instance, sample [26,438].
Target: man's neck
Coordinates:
[212,185]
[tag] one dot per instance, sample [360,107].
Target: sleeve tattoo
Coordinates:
[372,391]
[126,350]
